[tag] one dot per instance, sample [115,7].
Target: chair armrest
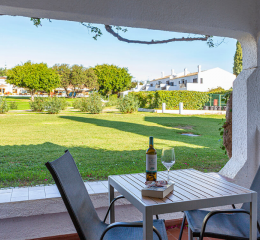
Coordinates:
[128,224]
[212,213]
[111,204]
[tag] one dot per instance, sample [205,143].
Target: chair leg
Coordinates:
[182,226]
[190,237]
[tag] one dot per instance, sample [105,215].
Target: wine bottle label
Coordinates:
[151,163]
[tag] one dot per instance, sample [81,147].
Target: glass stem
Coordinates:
[168,176]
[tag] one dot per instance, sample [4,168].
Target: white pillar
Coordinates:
[180,108]
[245,119]
[164,108]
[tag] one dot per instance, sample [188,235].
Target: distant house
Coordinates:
[198,81]
[5,87]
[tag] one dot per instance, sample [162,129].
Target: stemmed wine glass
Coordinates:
[168,159]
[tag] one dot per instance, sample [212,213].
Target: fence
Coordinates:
[216,100]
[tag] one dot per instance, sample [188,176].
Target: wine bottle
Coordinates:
[151,162]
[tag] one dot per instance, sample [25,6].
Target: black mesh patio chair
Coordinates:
[231,224]
[82,212]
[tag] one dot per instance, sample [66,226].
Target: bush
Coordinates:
[64,103]
[92,104]
[3,105]
[84,104]
[112,100]
[54,105]
[76,104]
[13,105]
[128,104]
[190,99]
[38,105]
[219,90]
[95,103]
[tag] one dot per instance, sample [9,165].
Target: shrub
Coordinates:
[219,90]
[64,103]
[92,104]
[3,105]
[84,104]
[95,103]
[13,105]
[76,104]
[128,104]
[38,105]
[54,105]
[112,100]
[190,99]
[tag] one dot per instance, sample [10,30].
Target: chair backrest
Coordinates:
[255,187]
[75,196]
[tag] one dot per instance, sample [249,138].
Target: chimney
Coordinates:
[162,74]
[199,68]
[172,72]
[185,71]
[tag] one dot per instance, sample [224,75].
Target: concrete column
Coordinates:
[164,108]
[246,119]
[180,108]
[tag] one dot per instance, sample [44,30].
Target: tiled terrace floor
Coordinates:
[42,192]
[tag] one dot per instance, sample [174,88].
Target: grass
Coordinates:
[104,144]
[23,102]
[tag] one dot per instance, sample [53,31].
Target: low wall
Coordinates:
[184,112]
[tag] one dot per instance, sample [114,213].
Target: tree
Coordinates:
[3,71]
[91,81]
[112,79]
[238,59]
[64,72]
[98,33]
[133,84]
[34,77]
[77,77]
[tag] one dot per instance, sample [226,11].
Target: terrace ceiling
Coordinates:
[230,18]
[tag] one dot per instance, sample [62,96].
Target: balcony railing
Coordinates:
[183,85]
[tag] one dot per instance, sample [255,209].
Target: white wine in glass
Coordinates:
[168,159]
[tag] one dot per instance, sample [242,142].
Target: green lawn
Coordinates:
[104,144]
[23,102]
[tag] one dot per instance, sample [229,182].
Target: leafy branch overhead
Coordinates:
[98,33]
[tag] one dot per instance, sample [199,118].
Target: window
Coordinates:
[195,80]
[172,83]
[151,85]
[201,80]
[179,82]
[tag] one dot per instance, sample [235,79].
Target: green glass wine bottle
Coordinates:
[151,162]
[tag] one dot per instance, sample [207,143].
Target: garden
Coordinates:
[102,144]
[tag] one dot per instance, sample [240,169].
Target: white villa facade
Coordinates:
[5,87]
[198,81]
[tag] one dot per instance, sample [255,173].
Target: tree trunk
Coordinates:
[32,95]
[66,90]
[227,134]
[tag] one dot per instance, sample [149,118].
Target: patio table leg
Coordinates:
[147,224]
[253,217]
[112,210]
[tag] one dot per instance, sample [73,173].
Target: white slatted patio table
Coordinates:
[192,190]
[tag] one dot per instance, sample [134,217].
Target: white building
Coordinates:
[197,81]
[5,87]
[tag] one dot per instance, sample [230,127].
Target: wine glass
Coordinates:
[168,159]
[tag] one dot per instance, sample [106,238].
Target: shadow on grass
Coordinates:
[205,127]
[24,165]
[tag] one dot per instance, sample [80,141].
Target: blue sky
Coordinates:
[71,43]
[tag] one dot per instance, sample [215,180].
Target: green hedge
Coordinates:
[191,99]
